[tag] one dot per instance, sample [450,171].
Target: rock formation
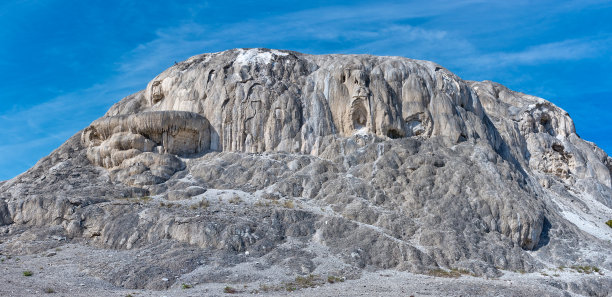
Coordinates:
[142,148]
[382,162]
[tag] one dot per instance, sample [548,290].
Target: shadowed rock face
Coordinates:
[379,161]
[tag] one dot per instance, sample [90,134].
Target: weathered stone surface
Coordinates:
[5,215]
[283,160]
[262,100]
[141,148]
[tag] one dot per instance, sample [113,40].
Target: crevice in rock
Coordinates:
[546,125]
[557,147]
[359,115]
[544,236]
[394,134]
[157,93]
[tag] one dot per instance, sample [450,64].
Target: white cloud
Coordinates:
[362,27]
[567,50]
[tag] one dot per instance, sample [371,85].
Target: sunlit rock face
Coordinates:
[323,163]
[260,100]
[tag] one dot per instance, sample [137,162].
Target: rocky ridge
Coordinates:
[324,165]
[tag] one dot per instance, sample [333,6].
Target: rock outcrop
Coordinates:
[141,149]
[380,162]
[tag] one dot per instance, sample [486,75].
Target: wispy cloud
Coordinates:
[31,133]
[366,28]
[567,50]
[171,44]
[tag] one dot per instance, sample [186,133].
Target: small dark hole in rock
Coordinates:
[558,148]
[394,134]
[210,75]
[461,138]
[546,124]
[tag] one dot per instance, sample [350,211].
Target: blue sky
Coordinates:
[64,63]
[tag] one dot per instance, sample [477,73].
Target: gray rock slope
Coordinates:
[320,164]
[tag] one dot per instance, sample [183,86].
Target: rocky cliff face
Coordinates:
[296,159]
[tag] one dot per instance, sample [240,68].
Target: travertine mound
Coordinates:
[321,164]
